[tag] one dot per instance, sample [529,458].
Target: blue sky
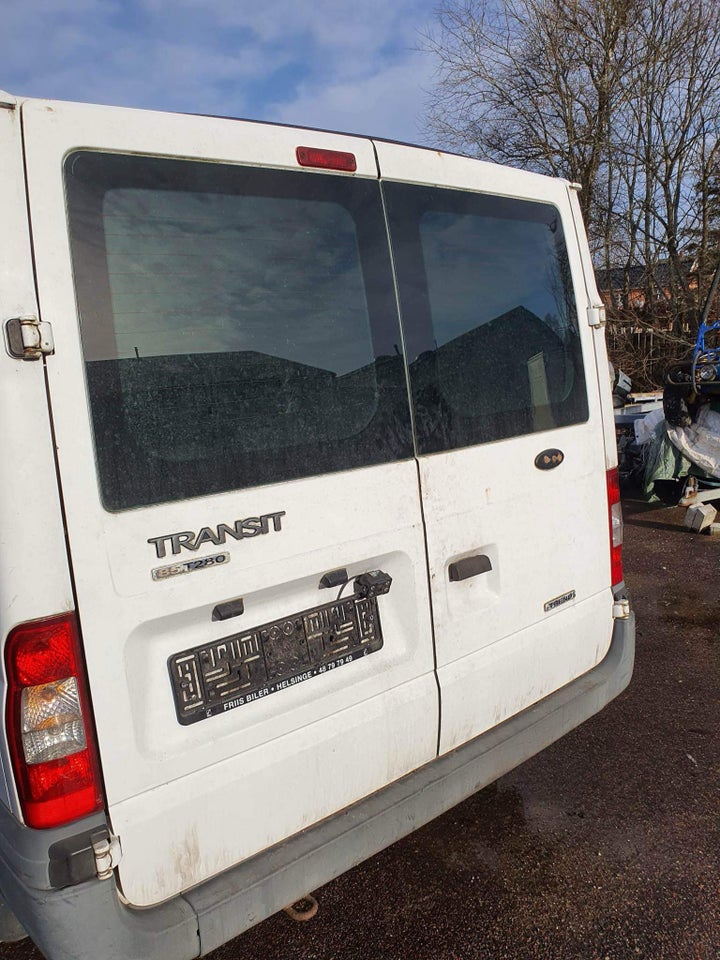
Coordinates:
[351,66]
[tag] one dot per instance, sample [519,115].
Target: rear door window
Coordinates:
[489,312]
[238,325]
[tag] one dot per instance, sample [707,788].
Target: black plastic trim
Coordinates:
[469,567]
[334,578]
[229,609]
[72,860]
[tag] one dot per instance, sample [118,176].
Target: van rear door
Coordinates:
[236,462]
[508,427]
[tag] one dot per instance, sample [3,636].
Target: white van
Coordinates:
[310,523]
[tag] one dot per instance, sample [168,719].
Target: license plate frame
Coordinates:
[252,664]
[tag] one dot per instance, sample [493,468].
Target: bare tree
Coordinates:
[705,238]
[621,96]
[531,82]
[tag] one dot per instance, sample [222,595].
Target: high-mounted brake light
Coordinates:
[49,731]
[616,526]
[326,159]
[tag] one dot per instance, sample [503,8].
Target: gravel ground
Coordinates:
[604,847]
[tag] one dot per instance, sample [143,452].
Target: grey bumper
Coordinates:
[89,921]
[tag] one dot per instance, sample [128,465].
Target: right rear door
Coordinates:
[504,384]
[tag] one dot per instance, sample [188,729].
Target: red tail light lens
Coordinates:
[49,730]
[616,526]
[326,159]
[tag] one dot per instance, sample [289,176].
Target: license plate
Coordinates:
[258,662]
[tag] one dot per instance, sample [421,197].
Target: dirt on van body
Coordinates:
[604,847]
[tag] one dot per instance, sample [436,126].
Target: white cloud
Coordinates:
[387,103]
[327,22]
[325,36]
[325,63]
[90,50]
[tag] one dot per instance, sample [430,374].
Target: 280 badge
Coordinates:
[189,566]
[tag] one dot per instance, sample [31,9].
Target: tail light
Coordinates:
[49,726]
[616,526]
[326,159]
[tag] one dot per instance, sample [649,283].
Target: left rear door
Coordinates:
[232,425]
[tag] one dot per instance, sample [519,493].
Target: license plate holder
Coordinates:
[255,663]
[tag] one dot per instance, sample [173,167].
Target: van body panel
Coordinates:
[232,827]
[140,715]
[362,725]
[481,689]
[537,555]
[73,125]
[598,334]
[501,634]
[408,164]
[35,580]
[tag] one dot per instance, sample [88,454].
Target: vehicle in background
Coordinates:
[695,382]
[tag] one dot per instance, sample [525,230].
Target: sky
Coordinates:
[349,65]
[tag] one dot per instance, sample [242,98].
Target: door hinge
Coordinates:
[107,851]
[596,315]
[29,338]
[621,608]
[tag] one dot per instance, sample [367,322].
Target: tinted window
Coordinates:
[489,313]
[238,325]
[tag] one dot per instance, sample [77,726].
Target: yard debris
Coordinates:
[699,516]
[681,437]
[700,441]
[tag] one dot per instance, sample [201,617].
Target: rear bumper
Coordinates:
[89,921]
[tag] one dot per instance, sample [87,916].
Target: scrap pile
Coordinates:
[681,438]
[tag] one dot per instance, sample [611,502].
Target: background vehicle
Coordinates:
[696,380]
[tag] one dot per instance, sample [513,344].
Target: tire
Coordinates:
[679,376]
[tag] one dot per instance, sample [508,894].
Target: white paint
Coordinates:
[598,335]
[34,579]
[493,683]
[236,808]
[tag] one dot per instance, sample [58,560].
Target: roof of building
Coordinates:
[637,276]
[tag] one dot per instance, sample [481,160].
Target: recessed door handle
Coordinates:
[469,567]
[229,609]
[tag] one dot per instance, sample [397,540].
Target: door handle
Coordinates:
[469,567]
[231,608]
